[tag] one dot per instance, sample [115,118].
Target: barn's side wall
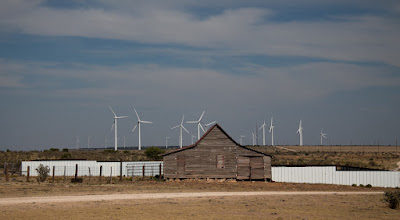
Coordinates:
[201,161]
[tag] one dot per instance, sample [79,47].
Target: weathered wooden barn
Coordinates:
[217,155]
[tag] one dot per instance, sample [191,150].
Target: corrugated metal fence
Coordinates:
[329,175]
[92,168]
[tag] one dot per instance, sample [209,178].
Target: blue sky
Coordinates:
[333,64]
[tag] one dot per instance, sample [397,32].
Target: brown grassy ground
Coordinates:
[358,156]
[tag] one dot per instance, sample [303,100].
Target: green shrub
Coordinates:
[392,198]
[361,185]
[66,156]
[154,153]
[368,186]
[54,149]
[355,185]
[65,149]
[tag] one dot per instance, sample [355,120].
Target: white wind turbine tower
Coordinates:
[254,138]
[241,139]
[138,125]
[263,128]
[180,126]
[271,130]
[199,126]
[77,142]
[166,142]
[323,135]
[300,132]
[116,128]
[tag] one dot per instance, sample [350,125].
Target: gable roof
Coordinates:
[205,134]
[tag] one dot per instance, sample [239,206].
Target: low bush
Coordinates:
[392,198]
[153,153]
[368,186]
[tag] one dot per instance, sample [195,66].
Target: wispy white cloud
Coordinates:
[240,30]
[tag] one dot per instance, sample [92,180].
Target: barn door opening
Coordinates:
[181,166]
[250,168]
[256,168]
[243,168]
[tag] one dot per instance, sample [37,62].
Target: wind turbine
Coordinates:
[254,138]
[166,142]
[138,125]
[193,138]
[180,126]
[206,125]
[115,128]
[199,126]
[241,137]
[77,142]
[300,132]
[263,128]
[323,135]
[124,142]
[271,130]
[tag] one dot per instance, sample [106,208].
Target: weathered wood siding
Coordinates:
[216,156]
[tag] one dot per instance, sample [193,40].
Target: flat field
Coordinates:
[282,206]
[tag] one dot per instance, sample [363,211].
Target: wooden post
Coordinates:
[54,169]
[143,171]
[27,174]
[76,171]
[120,171]
[101,171]
[6,171]
[160,172]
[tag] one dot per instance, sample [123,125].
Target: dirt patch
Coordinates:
[32,189]
[237,207]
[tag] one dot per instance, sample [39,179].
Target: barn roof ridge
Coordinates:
[205,134]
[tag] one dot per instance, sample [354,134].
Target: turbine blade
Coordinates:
[112,127]
[202,127]
[112,111]
[191,122]
[202,115]
[134,127]
[211,123]
[185,129]
[122,117]
[175,127]
[137,115]
[146,122]
[183,117]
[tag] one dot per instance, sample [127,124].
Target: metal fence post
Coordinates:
[143,171]
[6,171]
[64,173]
[76,171]
[160,172]
[120,171]
[27,174]
[54,169]
[101,171]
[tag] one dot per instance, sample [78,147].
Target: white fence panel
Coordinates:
[67,167]
[329,175]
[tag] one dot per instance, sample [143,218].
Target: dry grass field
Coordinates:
[233,207]
[375,157]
